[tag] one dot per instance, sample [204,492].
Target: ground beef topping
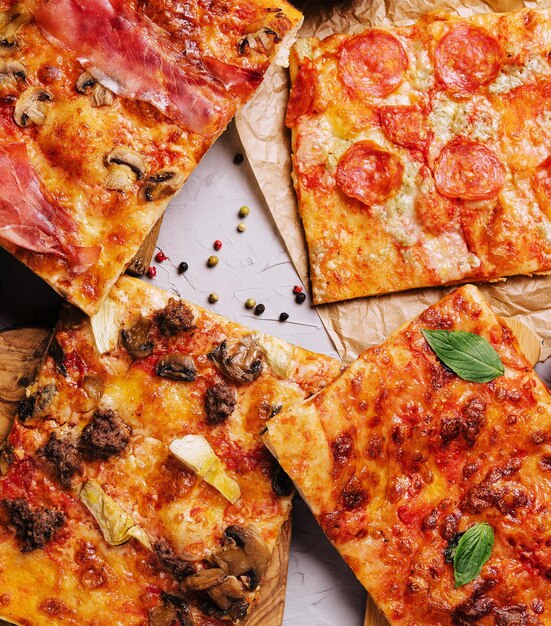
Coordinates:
[178,567]
[220,402]
[34,528]
[104,436]
[64,457]
[174,318]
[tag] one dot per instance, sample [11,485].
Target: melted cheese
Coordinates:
[409,455]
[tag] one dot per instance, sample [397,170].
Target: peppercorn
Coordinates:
[213,298]
[300,298]
[212,261]
[152,271]
[238,158]
[241,228]
[217,245]
[297,289]
[183,267]
[244,211]
[283,317]
[259,309]
[250,303]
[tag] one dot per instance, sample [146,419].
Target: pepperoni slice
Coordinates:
[404,125]
[373,63]
[467,58]
[542,184]
[301,99]
[369,174]
[469,170]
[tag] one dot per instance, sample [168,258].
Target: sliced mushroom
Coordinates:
[93,387]
[99,95]
[37,404]
[162,185]
[204,579]
[243,554]
[12,71]
[125,167]
[32,107]
[174,610]
[136,340]
[230,597]
[239,359]
[262,40]
[10,22]
[176,366]
[6,457]
[163,616]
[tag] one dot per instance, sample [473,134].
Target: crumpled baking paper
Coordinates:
[357,324]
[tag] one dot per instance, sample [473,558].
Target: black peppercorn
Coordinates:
[259,309]
[283,317]
[183,267]
[300,298]
[238,158]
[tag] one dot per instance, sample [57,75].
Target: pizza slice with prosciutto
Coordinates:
[106,107]
[433,484]
[421,154]
[135,487]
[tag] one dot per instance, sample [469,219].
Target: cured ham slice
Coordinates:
[28,220]
[133,57]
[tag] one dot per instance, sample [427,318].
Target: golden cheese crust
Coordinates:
[139,409]
[68,149]
[421,154]
[410,455]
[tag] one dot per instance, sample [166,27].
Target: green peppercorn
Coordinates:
[213,298]
[250,303]
[241,228]
[212,261]
[244,211]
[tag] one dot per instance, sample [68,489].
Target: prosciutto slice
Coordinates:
[29,220]
[133,57]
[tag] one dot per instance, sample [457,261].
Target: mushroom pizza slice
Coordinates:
[106,107]
[146,419]
[426,464]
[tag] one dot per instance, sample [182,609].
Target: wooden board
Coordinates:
[21,352]
[141,262]
[530,344]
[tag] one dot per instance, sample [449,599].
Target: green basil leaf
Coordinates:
[468,355]
[473,550]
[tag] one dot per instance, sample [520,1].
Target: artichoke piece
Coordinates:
[105,326]
[116,525]
[279,354]
[195,452]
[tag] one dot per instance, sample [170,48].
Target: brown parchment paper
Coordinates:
[357,324]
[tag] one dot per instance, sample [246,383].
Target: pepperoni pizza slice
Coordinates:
[434,489]
[106,107]
[422,154]
[136,489]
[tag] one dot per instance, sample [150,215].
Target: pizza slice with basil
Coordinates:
[106,107]
[422,154]
[427,465]
[135,476]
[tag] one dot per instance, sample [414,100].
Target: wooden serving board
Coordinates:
[141,262]
[530,344]
[21,352]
